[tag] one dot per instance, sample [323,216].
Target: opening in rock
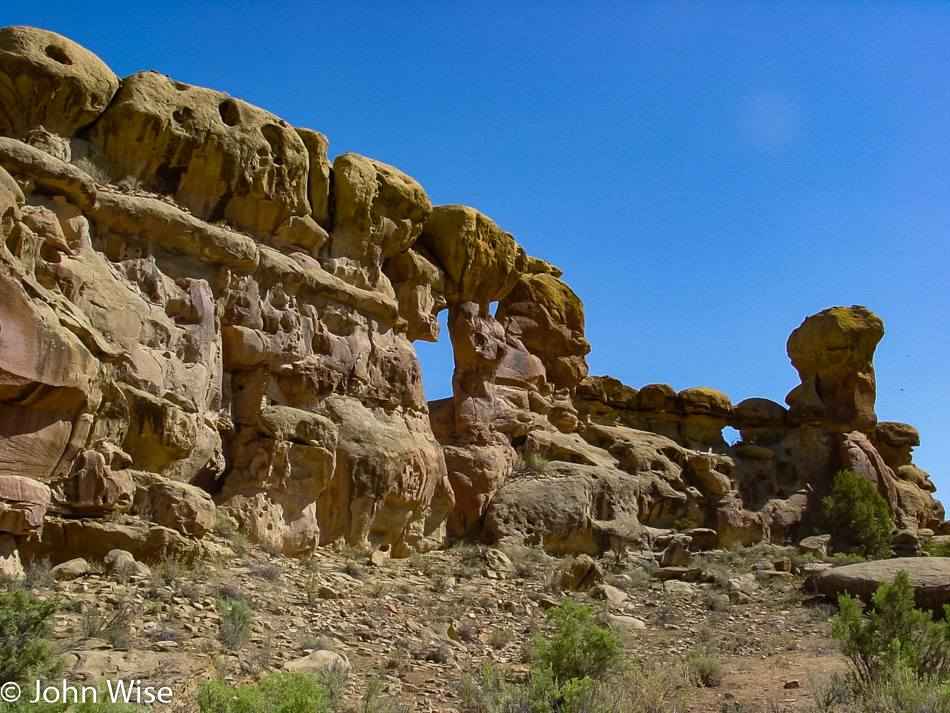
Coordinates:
[437,361]
[58,54]
[230,112]
[731,435]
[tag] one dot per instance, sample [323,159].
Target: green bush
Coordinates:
[275,693]
[578,648]
[857,516]
[935,550]
[531,463]
[894,638]
[567,669]
[684,523]
[490,693]
[25,651]
[236,622]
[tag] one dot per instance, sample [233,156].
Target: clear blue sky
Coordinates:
[706,175]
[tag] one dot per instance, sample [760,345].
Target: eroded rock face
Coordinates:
[234,341]
[219,157]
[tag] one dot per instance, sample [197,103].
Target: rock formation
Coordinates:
[203,318]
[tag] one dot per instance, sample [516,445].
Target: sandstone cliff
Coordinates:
[202,317]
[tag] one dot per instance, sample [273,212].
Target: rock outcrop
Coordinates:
[928,576]
[203,319]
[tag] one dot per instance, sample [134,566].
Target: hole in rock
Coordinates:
[58,54]
[437,362]
[731,435]
[183,114]
[230,112]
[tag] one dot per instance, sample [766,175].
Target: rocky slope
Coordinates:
[203,318]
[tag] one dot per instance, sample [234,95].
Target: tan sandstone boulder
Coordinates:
[50,81]
[482,262]
[378,212]
[548,318]
[832,352]
[220,157]
[182,507]
[929,577]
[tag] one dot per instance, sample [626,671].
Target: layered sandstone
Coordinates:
[202,318]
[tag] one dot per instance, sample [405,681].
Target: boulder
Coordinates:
[182,507]
[582,574]
[816,545]
[23,504]
[832,352]
[123,563]
[10,565]
[94,539]
[320,663]
[50,81]
[929,577]
[219,157]
[562,510]
[71,569]
[482,263]
[676,553]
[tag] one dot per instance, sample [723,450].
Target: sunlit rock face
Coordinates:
[203,319]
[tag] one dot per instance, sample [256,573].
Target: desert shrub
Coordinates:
[275,693]
[38,574]
[566,672]
[643,687]
[935,550]
[96,173]
[25,651]
[893,635]
[857,516]
[578,648]
[113,626]
[236,622]
[683,523]
[531,463]
[491,693]
[705,670]
[270,572]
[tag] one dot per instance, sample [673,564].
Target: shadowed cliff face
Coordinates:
[202,318]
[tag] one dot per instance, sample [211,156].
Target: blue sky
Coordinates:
[706,175]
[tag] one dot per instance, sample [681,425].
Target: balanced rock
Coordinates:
[832,352]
